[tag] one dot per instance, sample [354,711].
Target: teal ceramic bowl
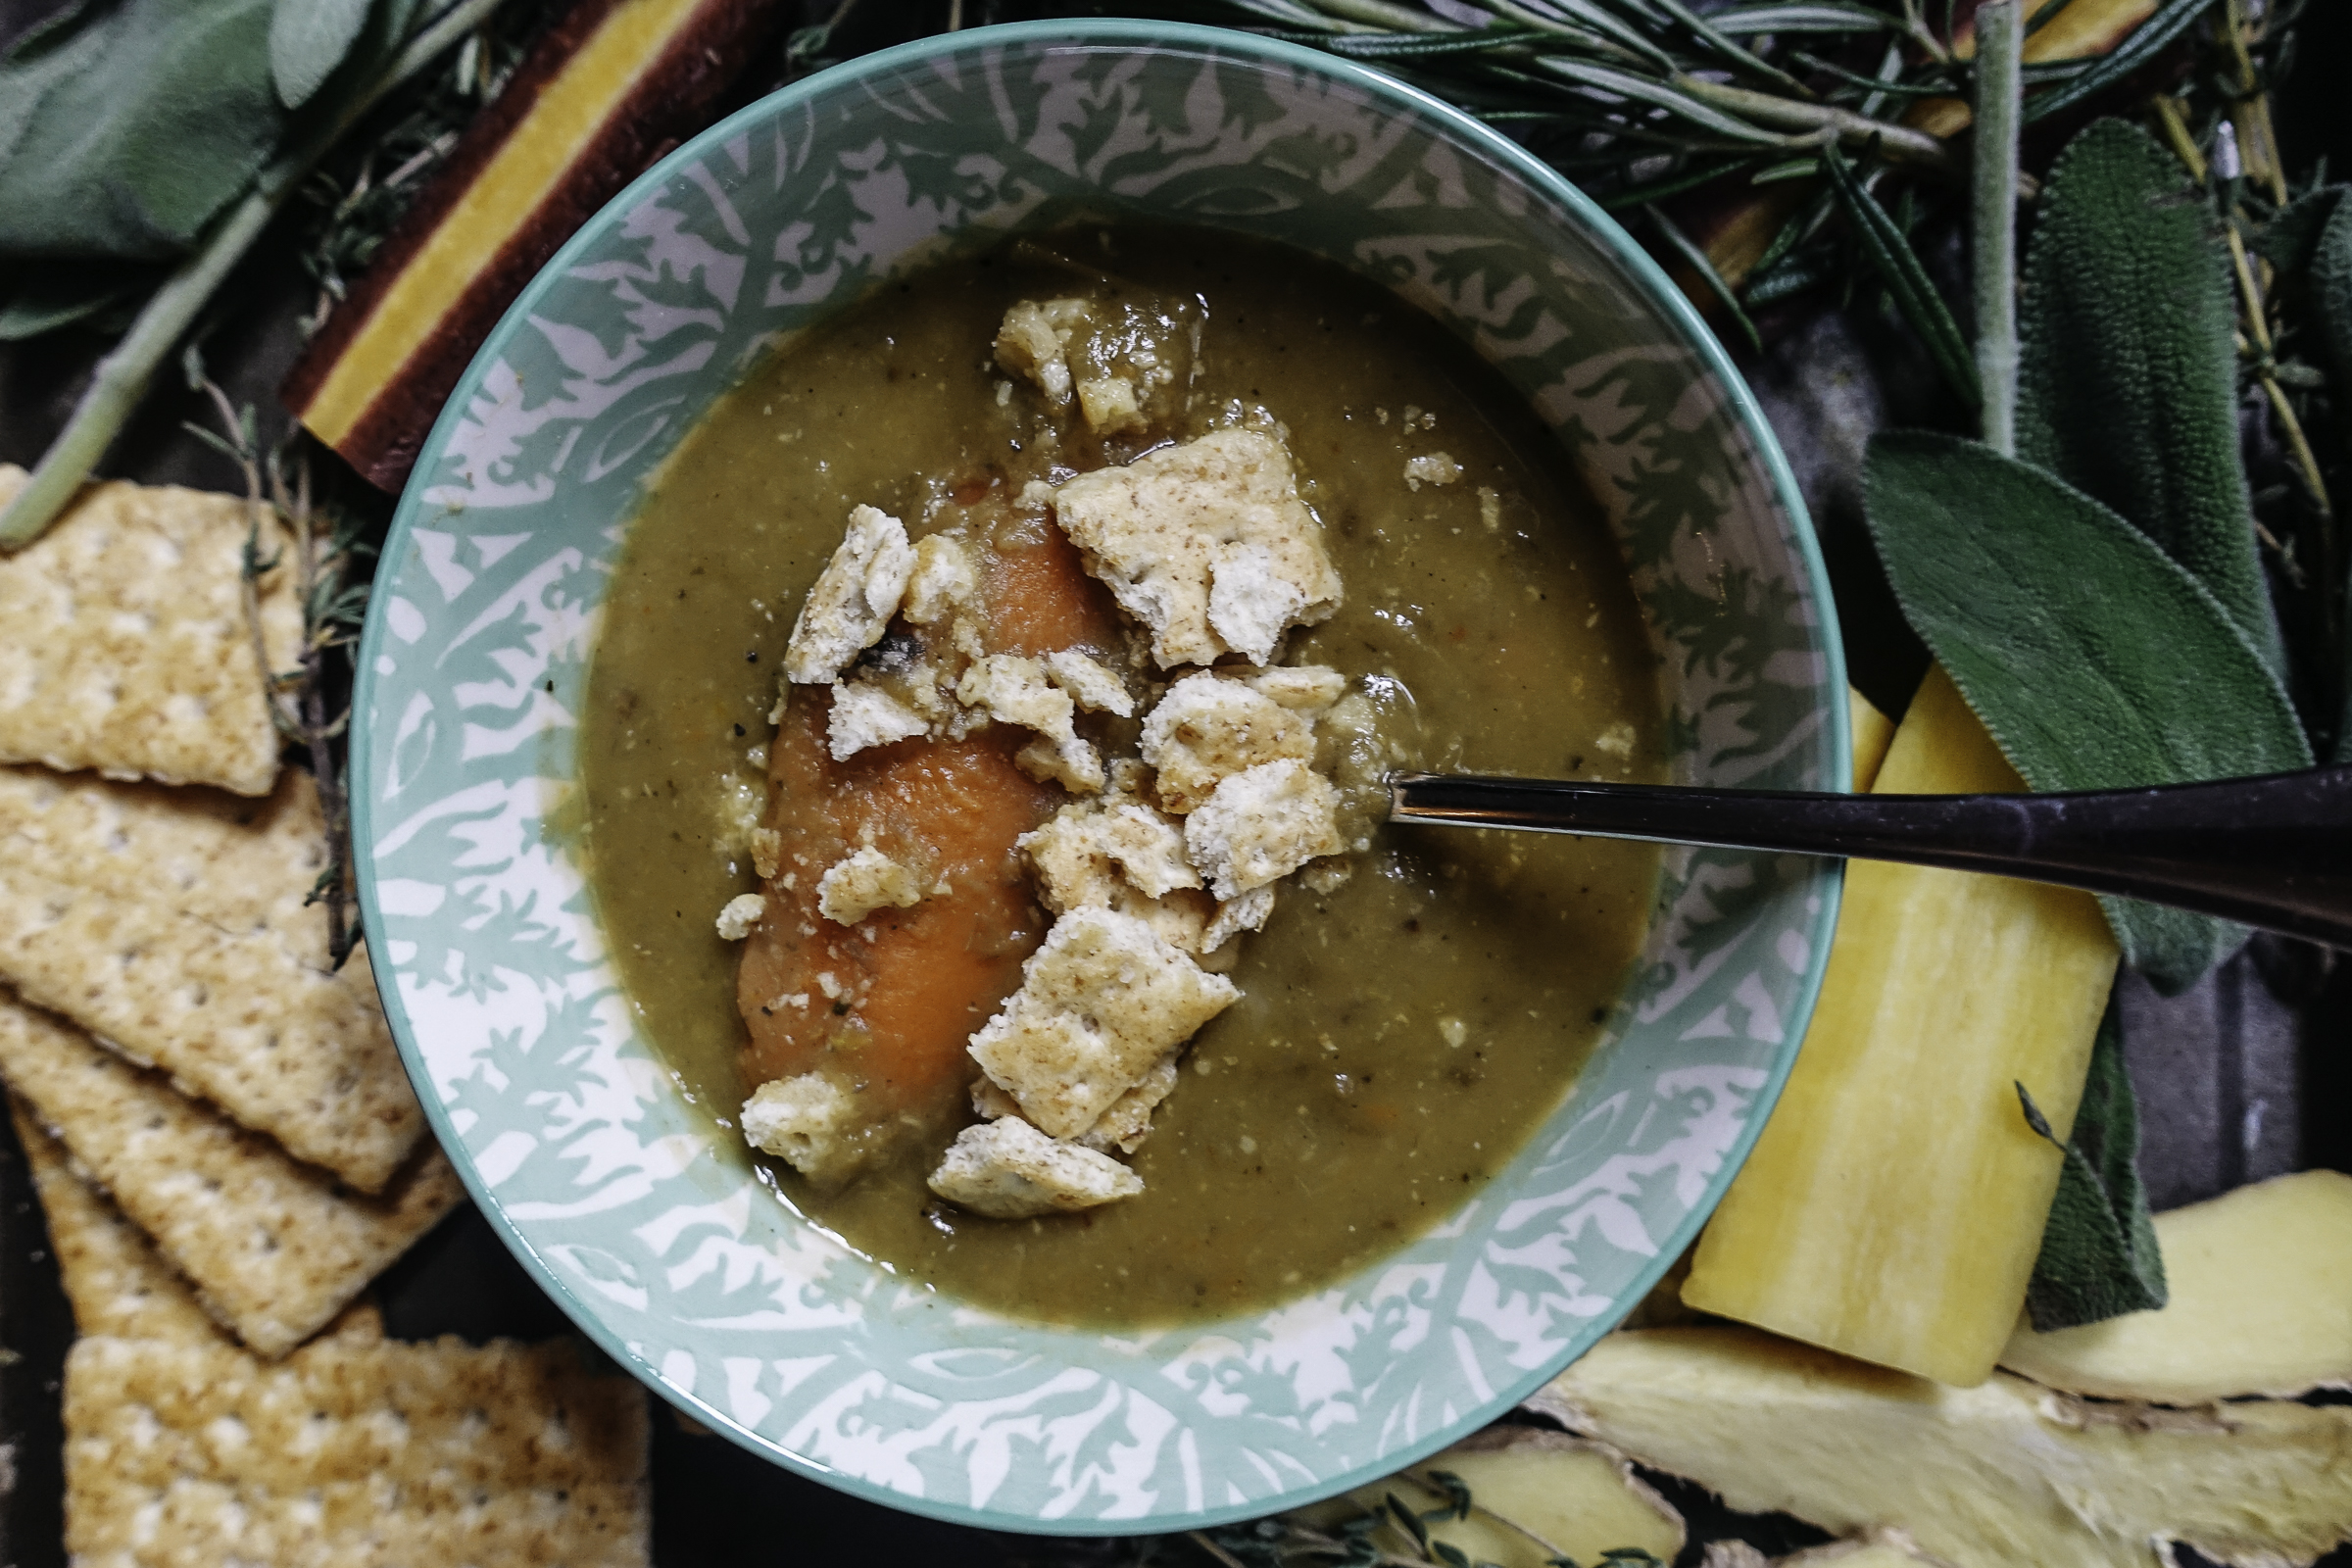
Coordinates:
[643,1219]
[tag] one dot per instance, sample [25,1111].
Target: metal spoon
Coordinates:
[2273,852]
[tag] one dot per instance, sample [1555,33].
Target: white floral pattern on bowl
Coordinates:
[646,1224]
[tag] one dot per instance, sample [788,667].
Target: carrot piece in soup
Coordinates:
[890,1001]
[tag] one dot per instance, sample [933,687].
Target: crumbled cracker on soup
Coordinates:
[1092,684]
[867,714]
[809,1123]
[125,646]
[738,915]
[1035,341]
[859,884]
[1262,824]
[1208,728]
[1121,1129]
[1014,689]
[1100,1001]
[274,1247]
[1162,531]
[1007,1169]
[855,597]
[1082,849]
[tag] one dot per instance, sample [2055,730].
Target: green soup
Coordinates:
[1402,1033]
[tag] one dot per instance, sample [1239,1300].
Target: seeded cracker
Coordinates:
[353,1450]
[169,923]
[124,644]
[274,1247]
[112,1274]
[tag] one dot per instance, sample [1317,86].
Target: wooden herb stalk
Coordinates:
[125,374]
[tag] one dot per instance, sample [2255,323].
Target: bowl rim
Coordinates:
[1643,273]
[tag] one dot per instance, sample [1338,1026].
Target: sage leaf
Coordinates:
[123,133]
[2291,237]
[2331,276]
[2099,1258]
[44,298]
[308,40]
[2095,659]
[2128,367]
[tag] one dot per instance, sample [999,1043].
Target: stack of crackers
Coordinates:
[226,1144]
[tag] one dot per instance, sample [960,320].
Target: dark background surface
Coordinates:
[2246,1077]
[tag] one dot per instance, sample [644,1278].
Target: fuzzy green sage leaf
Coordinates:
[2330,272]
[2099,1258]
[2128,373]
[127,133]
[2093,657]
[308,40]
[2291,237]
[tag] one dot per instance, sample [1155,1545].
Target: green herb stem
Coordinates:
[123,377]
[1697,259]
[2000,91]
[1898,143]
[1385,14]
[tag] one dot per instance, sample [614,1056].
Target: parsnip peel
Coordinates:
[2005,1473]
[1535,1495]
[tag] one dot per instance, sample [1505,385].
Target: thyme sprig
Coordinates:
[310,704]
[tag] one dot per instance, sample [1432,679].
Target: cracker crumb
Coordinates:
[1007,1169]
[941,580]
[1431,468]
[1033,340]
[809,1123]
[1109,405]
[767,853]
[856,887]
[1247,912]
[1161,530]
[1012,689]
[853,599]
[1092,684]
[1081,851]
[738,915]
[865,714]
[1310,688]
[1208,728]
[1101,1001]
[1262,824]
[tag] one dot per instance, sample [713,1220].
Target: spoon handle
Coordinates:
[2273,852]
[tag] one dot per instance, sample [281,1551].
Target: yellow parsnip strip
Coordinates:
[1894,1204]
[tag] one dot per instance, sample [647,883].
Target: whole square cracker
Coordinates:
[274,1247]
[124,642]
[170,924]
[351,1454]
